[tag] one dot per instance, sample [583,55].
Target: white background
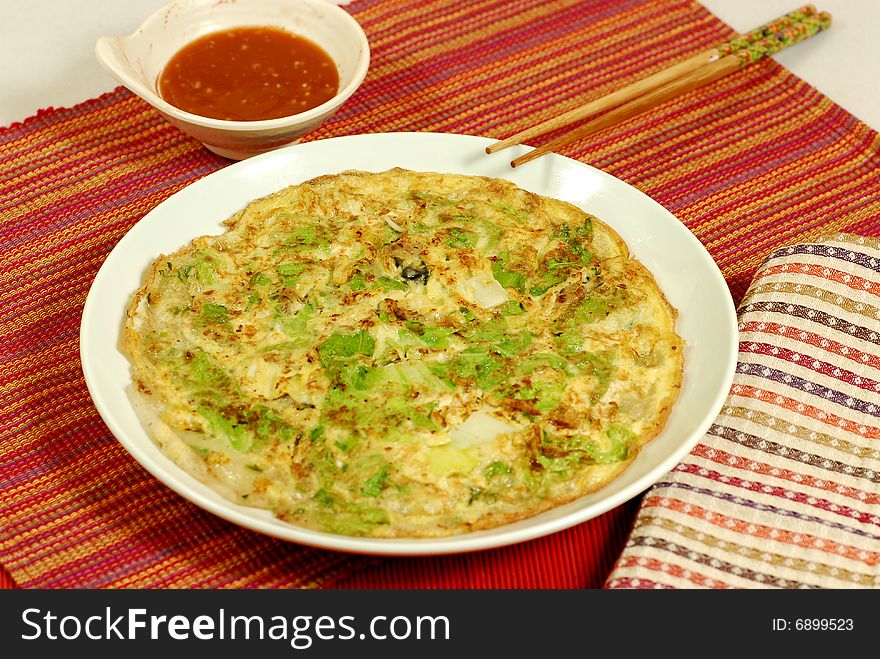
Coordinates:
[46,49]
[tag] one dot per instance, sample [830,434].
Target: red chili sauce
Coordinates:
[248,74]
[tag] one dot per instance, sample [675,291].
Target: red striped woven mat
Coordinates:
[751,162]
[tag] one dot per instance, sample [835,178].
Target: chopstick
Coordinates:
[694,72]
[645,85]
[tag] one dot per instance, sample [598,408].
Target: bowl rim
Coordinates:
[104,48]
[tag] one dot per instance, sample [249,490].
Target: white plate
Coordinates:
[683,268]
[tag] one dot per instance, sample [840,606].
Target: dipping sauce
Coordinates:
[249,74]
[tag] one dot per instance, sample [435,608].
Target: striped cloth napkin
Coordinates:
[783,490]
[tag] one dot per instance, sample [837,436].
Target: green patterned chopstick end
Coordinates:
[772,43]
[768,29]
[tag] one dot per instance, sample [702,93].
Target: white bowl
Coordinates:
[683,268]
[137,61]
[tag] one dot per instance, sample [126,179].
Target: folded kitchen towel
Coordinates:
[783,491]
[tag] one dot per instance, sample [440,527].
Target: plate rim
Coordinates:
[473,541]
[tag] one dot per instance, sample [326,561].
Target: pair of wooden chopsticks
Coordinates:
[694,72]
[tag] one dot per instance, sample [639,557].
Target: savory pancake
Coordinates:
[404,354]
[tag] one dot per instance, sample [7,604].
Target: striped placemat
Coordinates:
[784,489]
[754,161]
